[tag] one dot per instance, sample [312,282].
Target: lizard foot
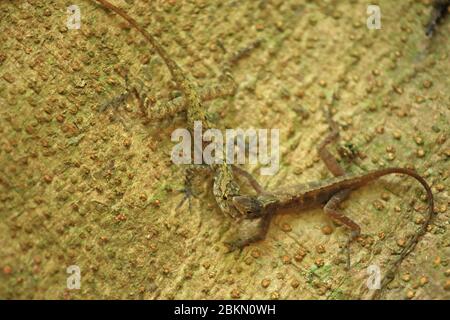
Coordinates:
[187,190]
[115,102]
[240,243]
[236,244]
[121,99]
[258,235]
[353,236]
[188,195]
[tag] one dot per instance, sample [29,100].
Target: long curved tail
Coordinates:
[174,69]
[409,247]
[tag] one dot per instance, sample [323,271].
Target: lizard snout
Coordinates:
[249,207]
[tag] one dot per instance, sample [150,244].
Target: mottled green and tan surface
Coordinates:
[98,190]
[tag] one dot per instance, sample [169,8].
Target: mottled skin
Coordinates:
[225,187]
[163,109]
[328,193]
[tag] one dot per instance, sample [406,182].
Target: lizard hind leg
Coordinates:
[131,91]
[259,234]
[330,161]
[332,210]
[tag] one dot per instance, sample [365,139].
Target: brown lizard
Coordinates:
[264,205]
[328,194]
[225,186]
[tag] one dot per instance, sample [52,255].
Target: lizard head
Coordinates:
[252,207]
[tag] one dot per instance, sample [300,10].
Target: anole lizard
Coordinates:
[328,194]
[225,187]
[264,205]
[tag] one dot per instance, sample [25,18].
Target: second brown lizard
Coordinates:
[327,194]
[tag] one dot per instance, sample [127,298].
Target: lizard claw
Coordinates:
[353,236]
[187,190]
[188,195]
[237,244]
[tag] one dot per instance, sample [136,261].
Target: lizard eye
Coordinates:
[248,206]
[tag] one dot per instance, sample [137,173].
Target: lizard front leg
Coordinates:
[330,161]
[259,234]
